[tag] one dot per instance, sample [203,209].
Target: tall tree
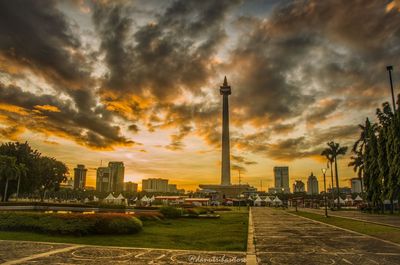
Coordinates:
[9,170]
[335,151]
[51,174]
[24,154]
[393,156]
[330,159]
[385,117]
[357,162]
[372,179]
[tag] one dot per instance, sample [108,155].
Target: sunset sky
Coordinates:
[138,82]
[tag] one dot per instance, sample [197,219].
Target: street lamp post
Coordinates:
[326,204]
[390,69]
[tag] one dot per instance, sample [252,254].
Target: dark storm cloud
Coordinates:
[322,111]
[309,49]
[172,53]
[36,35]
[49,115]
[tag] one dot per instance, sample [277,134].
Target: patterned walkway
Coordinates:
[18,252]
[283,238]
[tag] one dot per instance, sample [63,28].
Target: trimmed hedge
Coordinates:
[171,212]
[149,216]
[70,224]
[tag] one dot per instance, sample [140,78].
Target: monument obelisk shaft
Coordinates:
[225,91]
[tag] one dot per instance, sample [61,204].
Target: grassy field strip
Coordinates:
[387,234]
[229,233]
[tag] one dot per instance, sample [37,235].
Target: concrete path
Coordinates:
[283,238]
[384,219]
[23,252]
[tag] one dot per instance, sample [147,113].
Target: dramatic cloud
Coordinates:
[107,73]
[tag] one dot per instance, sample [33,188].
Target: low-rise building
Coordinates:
[130,186]
[298,186]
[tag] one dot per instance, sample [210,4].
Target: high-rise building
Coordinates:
[312,185]
[355,185]
[130,186]
[281,175]
[80,177]
[117,172]
[298,186]
[155,185]
[103,179]
[172,188]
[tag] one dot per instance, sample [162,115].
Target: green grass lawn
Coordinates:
[380,231]
[228,233]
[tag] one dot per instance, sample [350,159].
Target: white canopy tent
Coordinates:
[95,198]
[258,201]
[349,200]
[340,200]
[277,201]
[152,199]
[144,199]
[358,199]
[109,199]
[267,199]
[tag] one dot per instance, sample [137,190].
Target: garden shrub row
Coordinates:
[171,212]
[70,224]
[149,216]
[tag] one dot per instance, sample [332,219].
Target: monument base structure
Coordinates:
[222,192]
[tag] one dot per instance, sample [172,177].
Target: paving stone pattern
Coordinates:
[14,252]
[283,238]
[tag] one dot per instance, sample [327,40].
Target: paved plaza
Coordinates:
[29,253]
[385,219]
[283,238]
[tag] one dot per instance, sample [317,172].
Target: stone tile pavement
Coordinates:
[29,253]
[283,238]
[390,220]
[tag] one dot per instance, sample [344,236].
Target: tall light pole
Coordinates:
[389,68]
[326,204]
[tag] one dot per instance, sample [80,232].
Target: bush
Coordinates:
[171,212]
[102,205]
[149,216]
[70,224]
[196,211]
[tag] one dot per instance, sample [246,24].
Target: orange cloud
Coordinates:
[48,108]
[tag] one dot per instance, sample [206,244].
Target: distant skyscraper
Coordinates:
[130,186]
[355,185]
[298,186]
[312,185]
[155,185]
[117,173]
[80,177]
[103,179]
[281,179]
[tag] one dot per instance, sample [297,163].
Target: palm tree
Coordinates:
[22,170]
[330,160]
[336,150]
[358,166]
[8,170]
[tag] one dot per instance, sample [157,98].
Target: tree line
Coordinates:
[376,156]
[24,170]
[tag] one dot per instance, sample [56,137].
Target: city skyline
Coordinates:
[299,81]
